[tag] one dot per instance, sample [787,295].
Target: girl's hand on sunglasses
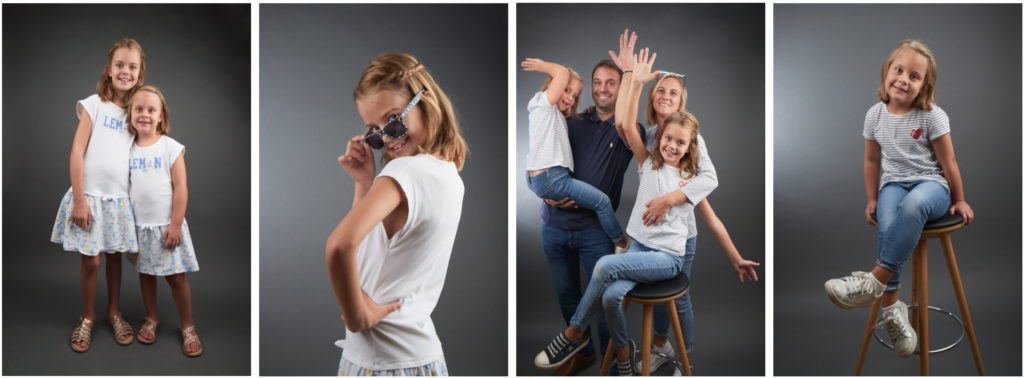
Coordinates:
[358,161]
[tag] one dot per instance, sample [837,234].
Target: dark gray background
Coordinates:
[311,57]
[720,48]
[199,57]
[827,64]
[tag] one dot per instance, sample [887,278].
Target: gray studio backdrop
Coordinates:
[720,48]
[311,57]
[52,57]
[827,64]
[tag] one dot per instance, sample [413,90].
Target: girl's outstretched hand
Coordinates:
[962,208]
[531,64]
[81,216]
[172,237]
[642,64]
[625,58]
[358,160]
[746,269]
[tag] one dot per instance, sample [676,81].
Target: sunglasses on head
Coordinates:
[395,127]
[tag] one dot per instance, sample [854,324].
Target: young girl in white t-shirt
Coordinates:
[659,248]
[911,176]
[388,257]
[549,163]
[95,215]
[159,196]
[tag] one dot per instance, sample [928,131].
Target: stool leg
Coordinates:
[915,297]
[645,350]
[606,363]
[961,298]
[678,330]
[921,265]
[868,329]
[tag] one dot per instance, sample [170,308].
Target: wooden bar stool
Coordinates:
[939,228]
[650,294]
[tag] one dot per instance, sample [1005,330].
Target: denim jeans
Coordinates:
[902,210]
[684,308]
[556,183]
[565,251]
[613,278]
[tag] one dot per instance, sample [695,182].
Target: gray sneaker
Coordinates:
[856,290]
[904,339]
[660,355]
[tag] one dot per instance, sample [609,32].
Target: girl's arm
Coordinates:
[943,147]
[559,77]
[872,166]
[624,60]
[745,268]
[358,163]
[172,236]
[81,216]
[360,312]
[641,75]
[698,188]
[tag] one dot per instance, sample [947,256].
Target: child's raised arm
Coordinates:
[358,163]
[179,201]
[744,267]
[641,75]
[624,60]
[872,167]
[559,77]
[81,216]
[943,147]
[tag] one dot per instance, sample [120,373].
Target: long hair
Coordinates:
[926,97]
[105,87]
[689,161]
[164,127]
[652,117]
[573,75]
[402,72]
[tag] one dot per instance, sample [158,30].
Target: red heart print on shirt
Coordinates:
[682,184]
[916,133]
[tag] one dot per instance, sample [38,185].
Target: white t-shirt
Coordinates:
[700,185]
[906,143]
[410,267]
[151,193]
[106,157]
[670,235]
[549,135]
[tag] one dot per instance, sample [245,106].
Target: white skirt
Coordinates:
[112,229]
[156,260]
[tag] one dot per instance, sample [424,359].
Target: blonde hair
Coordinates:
[105,86]
[402,72]
[689,161]
[164,127]
[652,117]
[926,97]
[573,75]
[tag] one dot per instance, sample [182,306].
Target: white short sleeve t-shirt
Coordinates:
[670,235]
[906,141]
[410,266]
[151,192]
[106,157]
[549,135]
[700,186]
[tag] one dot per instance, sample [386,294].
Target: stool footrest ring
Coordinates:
[955,317]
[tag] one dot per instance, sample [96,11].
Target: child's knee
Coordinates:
[177,280]
[91,263]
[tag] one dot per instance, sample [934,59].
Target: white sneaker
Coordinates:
[857,290]
[621,250]
[896,321]
[659,356]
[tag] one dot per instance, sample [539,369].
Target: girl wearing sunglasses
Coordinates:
[388,257]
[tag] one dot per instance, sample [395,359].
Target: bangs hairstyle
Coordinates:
[652,118]
[105,87]
[402,72]
[926,97]
[689,161]
[573,75]
[164,127]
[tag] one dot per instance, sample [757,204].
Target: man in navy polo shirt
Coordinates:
[573,235]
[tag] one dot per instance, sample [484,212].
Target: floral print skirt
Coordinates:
[156,260]
[112,229]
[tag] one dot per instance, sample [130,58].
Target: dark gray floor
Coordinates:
[41,307]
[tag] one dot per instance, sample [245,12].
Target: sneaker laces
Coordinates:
[856,283]
[560,342]
[896,327]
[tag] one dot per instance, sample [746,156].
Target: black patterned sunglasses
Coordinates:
[395,127]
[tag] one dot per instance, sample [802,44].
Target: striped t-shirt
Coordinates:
[906,141]
[700,185]
[549,136]
[670,235]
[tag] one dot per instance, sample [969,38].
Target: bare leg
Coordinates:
[147,333]
[113,283]
[183,299]
[884,275]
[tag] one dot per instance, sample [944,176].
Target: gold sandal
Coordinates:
[149,327]
[189,335]
[121,329]
[82,334]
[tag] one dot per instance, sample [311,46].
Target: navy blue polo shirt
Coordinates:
[600,158]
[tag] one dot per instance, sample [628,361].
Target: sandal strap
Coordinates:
[83,332]
[121,327]
[149,326]
[190,336]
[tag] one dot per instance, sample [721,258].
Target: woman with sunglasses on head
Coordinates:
[388,257]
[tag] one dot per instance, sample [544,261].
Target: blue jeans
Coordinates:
[565,250]
[614,276]
[683,306]
[902,210]
[556,183]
